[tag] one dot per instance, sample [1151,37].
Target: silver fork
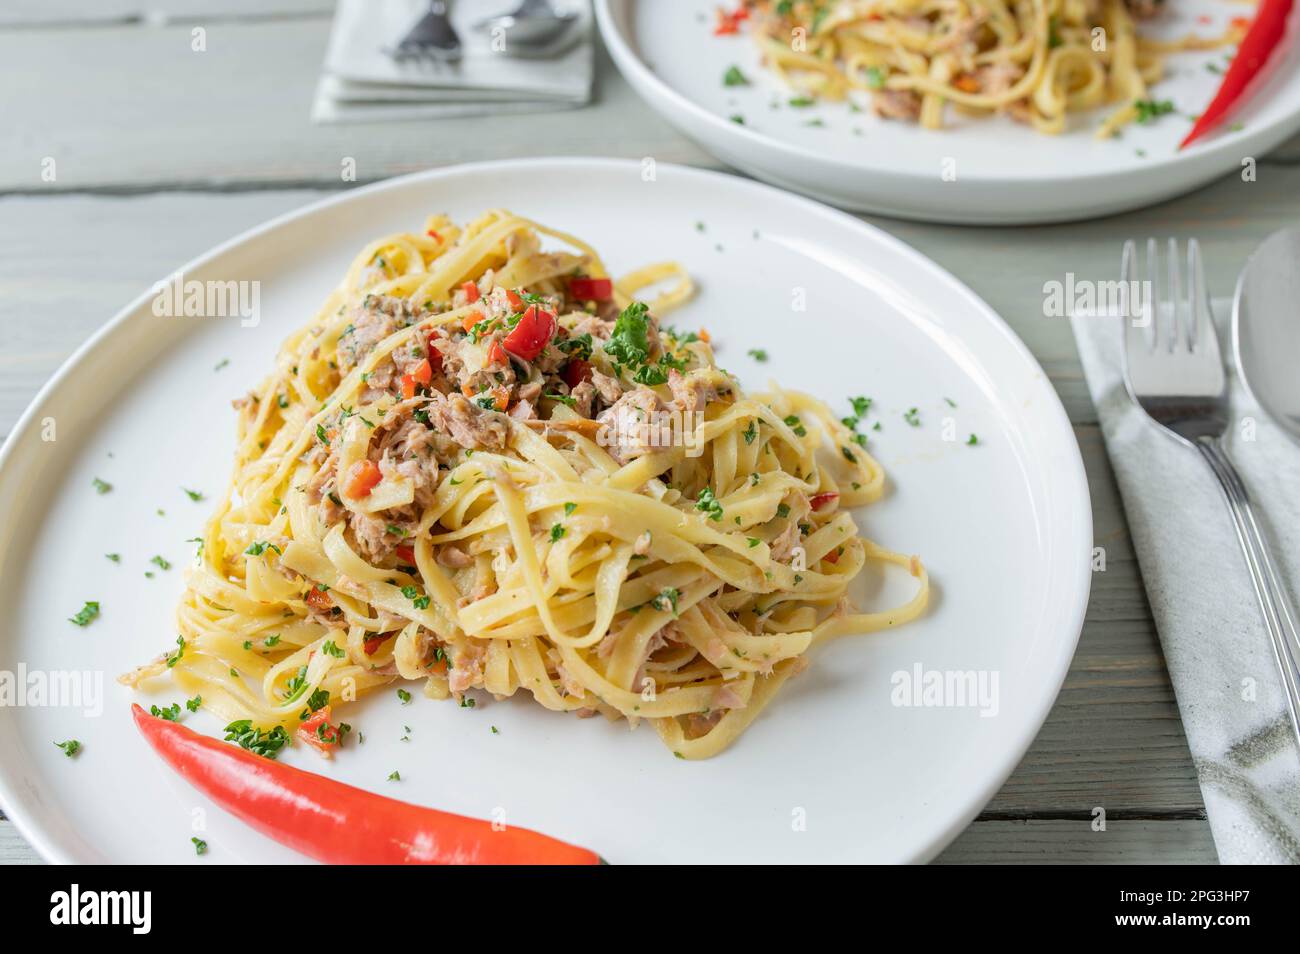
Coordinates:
[1174,373]
[432,37]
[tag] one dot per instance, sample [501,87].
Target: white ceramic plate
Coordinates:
[1005,172]
[1004,526]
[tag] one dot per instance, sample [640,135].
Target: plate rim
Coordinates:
[1211,160]
[1069,470]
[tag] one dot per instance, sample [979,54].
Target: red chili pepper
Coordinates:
[576,371]
[471,291]
[337,823]
[362,478]
[319,600]
[833,556]
[1265,32]
[434,235]
[591,289]
[371,645]
[405,554]
[530,337]
[435,356]
[821,500]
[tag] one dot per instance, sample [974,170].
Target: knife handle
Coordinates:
[1279,614]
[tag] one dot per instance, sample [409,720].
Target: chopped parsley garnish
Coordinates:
[395,777]
[200,846]
[413,594]
[875,77]
[192,494]
[194,704]
[783,510]
[86,614]
[753,542]
[800,102]
[709,504]
[733,77]
[70,747]
[860,405]
[737,118]
[271,641]
[913,417]
[848,455]
[577,346]
[101,486]
[265,744]
[404,696]
[796,425]
[321,435]
[758,354]
[557,532]
[666,600]
[628,343]
[750,432]
[1149,109]
[161,563]
[330,648]
[972,440]
[176,657]
[115,557]
[564,399]
[171,713]
[569,508]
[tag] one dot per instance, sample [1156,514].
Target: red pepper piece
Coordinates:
[337,823]
[591,289]
[1265,32]
[529,338]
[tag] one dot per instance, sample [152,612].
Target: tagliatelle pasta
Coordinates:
[1038,60]
[484,466]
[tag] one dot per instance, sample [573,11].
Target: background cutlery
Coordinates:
[1176,376]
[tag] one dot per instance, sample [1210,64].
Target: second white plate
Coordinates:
[977,171]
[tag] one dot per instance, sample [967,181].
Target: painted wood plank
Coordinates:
[993,841]
[1058,842]
[14,850]
[238,113]
[32,13]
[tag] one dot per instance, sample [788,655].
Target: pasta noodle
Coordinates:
[457,474]
[1037,60]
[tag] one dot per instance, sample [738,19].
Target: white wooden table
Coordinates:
[160,152]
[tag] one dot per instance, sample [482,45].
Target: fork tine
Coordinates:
[1169,336]
[1135,339]
[1201,331]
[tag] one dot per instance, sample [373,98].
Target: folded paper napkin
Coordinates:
[362,83]
[1218,652]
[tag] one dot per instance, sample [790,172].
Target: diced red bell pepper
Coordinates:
[317,731]
[576,371]
[362,478]
[529,338]
[821,500]
[591,289]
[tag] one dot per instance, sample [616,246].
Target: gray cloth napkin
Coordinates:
[361,83]
[1215,644]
